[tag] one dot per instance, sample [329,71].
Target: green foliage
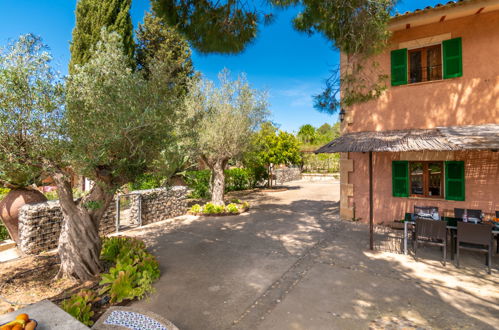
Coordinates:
[245,206]
[237,179]
[270,145]
[145,181]
[30,110]
[199,182]
[91,17]
[3,192]
[228,115]
[113,105]
[134,272]
[235,200]
[196,208]
[212,26]
[210,208]
[80,306]
[4,233]
[232,208]
[307,134]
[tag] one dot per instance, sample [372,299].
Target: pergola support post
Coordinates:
[371,203]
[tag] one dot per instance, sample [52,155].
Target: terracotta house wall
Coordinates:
[481,175]
[472,99]
[468,100]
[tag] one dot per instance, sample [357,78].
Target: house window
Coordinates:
[426,179]
[425,64]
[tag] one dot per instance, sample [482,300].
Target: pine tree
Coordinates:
[91,17]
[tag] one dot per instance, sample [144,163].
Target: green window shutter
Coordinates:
[400,178]
[452,58]
[399,67]
[454,181]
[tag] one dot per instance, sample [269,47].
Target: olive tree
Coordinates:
[117,122]
[227,116]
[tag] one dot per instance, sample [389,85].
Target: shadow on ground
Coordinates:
[291,264]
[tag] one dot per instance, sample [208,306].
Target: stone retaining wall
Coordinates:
[40,224]
[287,174]
[158,204]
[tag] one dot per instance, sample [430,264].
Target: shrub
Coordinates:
[235,200]
[245,206]
[210,208]
[237,179]
[112,247]
[232,208]
[146,181]
[199,182]
[80,306]
[135,269]
[196,208]
[3,192]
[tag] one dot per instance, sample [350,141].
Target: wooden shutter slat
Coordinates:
[399,67]
[400,178]
[452,58]
[454,181]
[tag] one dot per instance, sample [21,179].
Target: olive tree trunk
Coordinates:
[79,242]
[218,181]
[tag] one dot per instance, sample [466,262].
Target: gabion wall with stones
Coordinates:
[40,226]
[157,204]
[287,174]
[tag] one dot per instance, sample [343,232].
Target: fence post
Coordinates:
[117,213]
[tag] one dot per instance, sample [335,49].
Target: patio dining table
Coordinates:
[451,227]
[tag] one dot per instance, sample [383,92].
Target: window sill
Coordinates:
[426,82]
[424,198]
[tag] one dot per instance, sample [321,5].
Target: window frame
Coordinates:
[426,180]
[424,59]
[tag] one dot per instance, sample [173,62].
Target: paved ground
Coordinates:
[291,264]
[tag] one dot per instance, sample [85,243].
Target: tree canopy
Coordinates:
[31,99]
[226,115]
[91,17]
[358,28]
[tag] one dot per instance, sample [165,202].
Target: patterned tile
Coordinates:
[134,321]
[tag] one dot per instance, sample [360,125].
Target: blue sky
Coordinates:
[290,65]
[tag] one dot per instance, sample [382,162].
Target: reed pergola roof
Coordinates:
[452,138]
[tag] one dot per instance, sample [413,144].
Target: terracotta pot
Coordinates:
[10,205]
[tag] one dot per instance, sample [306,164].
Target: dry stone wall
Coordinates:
[159,204]
[287,174]
[40,224]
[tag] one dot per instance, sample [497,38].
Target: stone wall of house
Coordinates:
[287,174]
[40,224]
[157,204]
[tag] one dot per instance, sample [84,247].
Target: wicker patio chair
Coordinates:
[475,237]
[431,232]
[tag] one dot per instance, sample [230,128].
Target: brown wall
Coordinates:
[482,184]
[468,100]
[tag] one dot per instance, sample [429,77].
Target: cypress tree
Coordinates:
[91,17]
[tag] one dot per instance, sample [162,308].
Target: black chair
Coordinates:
[475,237]
[431,232]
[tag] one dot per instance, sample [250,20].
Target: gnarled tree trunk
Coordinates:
[218,181]
[79,242]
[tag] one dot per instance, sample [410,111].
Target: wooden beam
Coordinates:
[371,203]
[442,18]
[479,10]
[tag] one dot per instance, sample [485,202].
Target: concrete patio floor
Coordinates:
[290,263]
